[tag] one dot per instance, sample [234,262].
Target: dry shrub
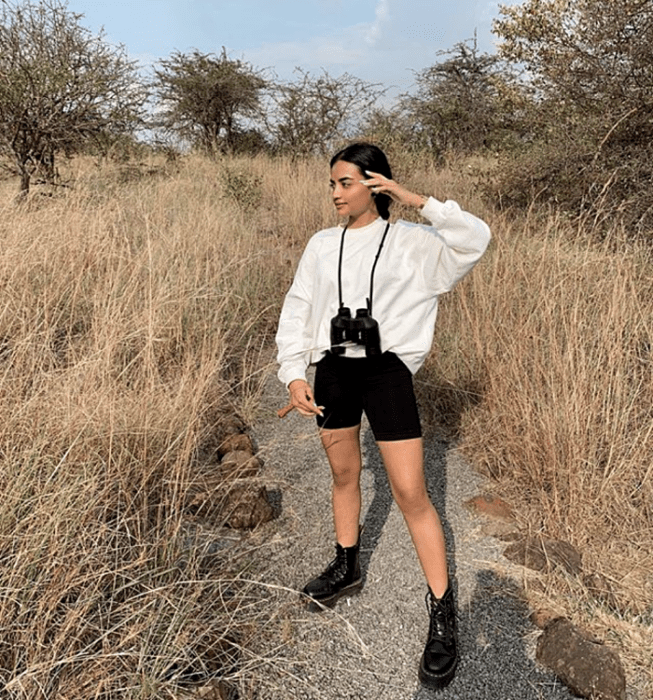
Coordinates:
[579,177]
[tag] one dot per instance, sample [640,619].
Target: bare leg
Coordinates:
[344,454]
[404,463]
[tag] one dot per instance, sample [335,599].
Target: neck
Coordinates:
[362,220]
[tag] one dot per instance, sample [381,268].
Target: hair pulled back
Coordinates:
[367,156]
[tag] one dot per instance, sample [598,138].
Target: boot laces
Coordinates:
[336,568]
[442,622]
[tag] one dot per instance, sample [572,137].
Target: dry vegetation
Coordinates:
[136,306]
[544,358]
[132,313]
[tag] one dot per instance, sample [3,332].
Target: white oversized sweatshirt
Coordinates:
[417,263]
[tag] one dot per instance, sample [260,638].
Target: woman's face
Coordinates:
[351,198]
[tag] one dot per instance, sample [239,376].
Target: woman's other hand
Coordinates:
[301,397]
[379,184]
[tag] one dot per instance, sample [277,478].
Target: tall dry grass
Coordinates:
[139,303]
[134,308]
[545,355]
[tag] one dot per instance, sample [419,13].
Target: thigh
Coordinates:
[404,464]
[343,451]
[338,390]
[389,400]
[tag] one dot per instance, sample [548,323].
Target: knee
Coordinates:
[412,502]
[345,477]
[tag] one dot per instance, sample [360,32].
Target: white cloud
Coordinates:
[351,49]
[345,50]
[381,16]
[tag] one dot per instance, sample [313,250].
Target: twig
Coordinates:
[283,412]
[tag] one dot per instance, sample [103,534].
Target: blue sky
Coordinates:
[381,41]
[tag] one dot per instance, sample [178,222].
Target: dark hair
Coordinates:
[367,156]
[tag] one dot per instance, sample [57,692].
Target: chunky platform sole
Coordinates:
[436,681]
[316,605]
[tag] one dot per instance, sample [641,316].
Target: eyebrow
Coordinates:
[342,179]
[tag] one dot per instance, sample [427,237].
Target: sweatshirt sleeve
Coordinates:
[461,240]
[295,323]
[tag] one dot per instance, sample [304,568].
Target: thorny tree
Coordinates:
[464,103]
[312,114]
[468,102]
[205,98]
[60,85]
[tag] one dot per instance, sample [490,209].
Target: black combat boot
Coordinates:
[341,577]
[440,659]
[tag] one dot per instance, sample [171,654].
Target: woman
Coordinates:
[392,274]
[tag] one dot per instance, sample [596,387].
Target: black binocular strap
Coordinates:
[376,259]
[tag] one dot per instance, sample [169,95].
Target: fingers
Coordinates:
[379,184]
[301,397]
[376,182]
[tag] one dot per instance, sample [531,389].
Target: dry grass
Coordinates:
[137,304]
[544,355]
[133,310]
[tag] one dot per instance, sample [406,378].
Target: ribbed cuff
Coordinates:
[289,374]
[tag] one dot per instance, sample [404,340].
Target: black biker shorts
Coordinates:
[382,386]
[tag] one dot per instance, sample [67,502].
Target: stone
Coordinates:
[542,554]
[527,553]
[198,500]
[240,464]
[501,530]
[245,506]
[232,424]
[564,554]
[587,668]
[236,442]
[490,507]
[224,432]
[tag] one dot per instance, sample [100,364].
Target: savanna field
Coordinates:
[139,307]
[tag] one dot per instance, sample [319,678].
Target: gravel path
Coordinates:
[369,645]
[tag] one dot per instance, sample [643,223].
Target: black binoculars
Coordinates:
[362,330]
